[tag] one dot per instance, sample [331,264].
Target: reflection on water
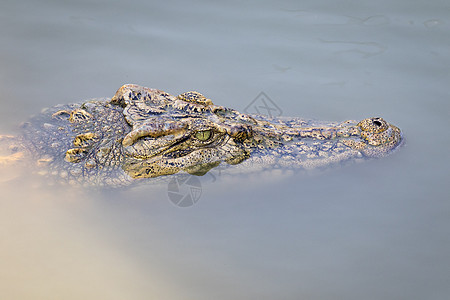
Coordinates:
[245,238]
[54,244]
[377,230]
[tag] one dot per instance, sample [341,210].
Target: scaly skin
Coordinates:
[146,133]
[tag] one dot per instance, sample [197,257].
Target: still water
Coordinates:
[376,230]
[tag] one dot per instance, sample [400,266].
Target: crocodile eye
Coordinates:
[203,135]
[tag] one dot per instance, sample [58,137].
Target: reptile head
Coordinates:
[170,134]
[189,133]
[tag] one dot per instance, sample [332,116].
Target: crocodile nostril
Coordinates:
[377,123]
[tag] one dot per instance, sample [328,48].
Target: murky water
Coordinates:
[377,230]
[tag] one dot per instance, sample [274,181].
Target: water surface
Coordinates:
[376,230]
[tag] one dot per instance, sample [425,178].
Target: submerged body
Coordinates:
[145,133]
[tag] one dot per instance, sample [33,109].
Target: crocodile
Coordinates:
[143,133]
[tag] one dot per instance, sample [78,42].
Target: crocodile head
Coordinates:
[189,133]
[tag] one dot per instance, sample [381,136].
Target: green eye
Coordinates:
[203,135]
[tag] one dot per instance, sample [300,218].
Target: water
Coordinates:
[377,230]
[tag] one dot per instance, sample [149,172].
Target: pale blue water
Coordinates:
[378,230]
